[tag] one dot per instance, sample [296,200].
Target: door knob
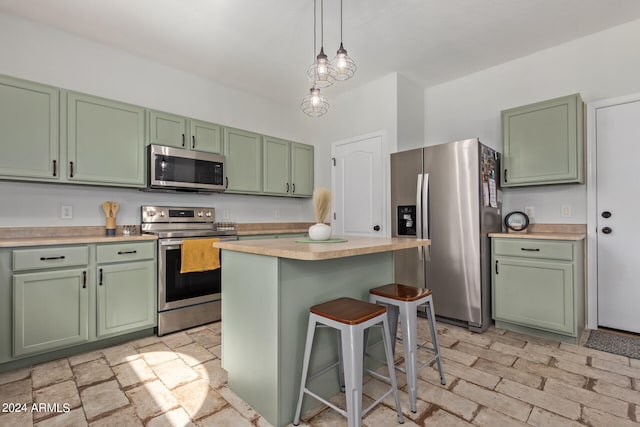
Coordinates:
[376,228]
[607,230]
[606,214]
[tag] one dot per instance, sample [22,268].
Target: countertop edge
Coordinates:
[71,240]
[541,236]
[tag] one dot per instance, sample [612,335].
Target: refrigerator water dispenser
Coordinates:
[406,220]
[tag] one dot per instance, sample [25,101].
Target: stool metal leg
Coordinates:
[305,367]
[410,346]
[353,339]
[434,339]
[391,366]
[340,361]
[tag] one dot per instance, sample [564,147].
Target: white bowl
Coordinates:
[319,231]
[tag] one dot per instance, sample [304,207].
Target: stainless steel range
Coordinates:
[184,299]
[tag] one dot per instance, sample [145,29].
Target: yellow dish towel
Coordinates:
[199,255]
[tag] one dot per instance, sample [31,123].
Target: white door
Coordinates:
[357,182]
[618,208]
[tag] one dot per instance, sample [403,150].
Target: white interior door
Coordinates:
[357,182]
[618,204]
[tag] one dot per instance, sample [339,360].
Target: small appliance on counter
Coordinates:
[185,299]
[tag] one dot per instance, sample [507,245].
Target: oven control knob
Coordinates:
[161,213]
[200,214]
[208,214]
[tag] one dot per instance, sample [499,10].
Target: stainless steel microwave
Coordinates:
[184,170]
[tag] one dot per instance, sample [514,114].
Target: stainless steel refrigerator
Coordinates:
[448,193]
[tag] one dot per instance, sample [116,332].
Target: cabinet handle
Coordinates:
[530,249]
[293,186]
[71,169]
[497,267]
[100,278]
[287,187]
[47,258]
[127,252]
[183,140]
[193,141]
[84,280]
[226,182]
[505,176]
[55,168]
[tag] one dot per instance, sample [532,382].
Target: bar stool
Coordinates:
[406,300]
[350,318]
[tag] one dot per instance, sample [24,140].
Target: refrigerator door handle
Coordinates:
[419,215]
[425,209]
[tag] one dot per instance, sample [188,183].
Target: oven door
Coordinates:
[177,289]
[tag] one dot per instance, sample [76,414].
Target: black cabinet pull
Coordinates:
[84,280]
[505,176]
[530,249]
[100,278]
[193,141]
[497,267]
[70,169]
[226,182]
[47,258]
[183,140]
[607,230]
[287,187]
[127,252]
[55,168]
[293,186]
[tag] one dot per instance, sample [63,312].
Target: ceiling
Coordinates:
[265,46]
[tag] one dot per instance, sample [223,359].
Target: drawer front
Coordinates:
[534,248]
[122,252]
[53,257]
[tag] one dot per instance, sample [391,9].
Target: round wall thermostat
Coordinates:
[516,221]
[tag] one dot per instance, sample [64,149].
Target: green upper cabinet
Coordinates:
[177,131]
[288,168]
[301,170]
[543,143]
[29,136]
[105,142]
[243,161]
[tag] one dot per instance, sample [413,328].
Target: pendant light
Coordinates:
[314,104]
[322,72]
[344,65]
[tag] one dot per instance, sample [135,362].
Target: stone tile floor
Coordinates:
[498,378]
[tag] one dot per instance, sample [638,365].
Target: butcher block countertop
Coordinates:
[548,232]
[289,248]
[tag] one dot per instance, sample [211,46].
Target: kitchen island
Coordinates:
[269,286]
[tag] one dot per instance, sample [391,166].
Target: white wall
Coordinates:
[43,54]
[410,114]
[599,66]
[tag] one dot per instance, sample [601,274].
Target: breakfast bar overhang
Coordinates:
[269,286]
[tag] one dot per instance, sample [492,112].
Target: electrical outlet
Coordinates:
[276,213]
[565,211]
[226,214]
[531,213]
[66,212]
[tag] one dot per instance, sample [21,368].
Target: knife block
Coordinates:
[111,226]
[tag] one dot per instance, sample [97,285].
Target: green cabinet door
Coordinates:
[276,166]
[205,136]
[543,143]
[535,293]
[29,137]
[105,142]
[243,161]
[50,310]
[301,170]
[167,129]
[125,297]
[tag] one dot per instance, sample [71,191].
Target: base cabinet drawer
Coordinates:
[50,310]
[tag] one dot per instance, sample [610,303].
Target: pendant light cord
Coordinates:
[340,21]
[321,24]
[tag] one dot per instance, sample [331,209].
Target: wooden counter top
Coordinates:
[289,248]
[542,236]
[71,240]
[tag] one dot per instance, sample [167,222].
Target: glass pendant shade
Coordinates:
[322,73]
[343,64]
[314,104]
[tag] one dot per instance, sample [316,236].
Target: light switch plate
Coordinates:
[66,212]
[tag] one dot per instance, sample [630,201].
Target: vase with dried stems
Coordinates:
[322,206]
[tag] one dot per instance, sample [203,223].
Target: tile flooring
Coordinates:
[498,378]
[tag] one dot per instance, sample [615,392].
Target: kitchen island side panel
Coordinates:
[264,337]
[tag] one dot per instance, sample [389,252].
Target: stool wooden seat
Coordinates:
[350,318]
[403,301]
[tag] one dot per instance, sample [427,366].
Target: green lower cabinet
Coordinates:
[538,287]
[125,297]
[50,310]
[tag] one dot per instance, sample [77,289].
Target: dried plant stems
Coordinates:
[321,203]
